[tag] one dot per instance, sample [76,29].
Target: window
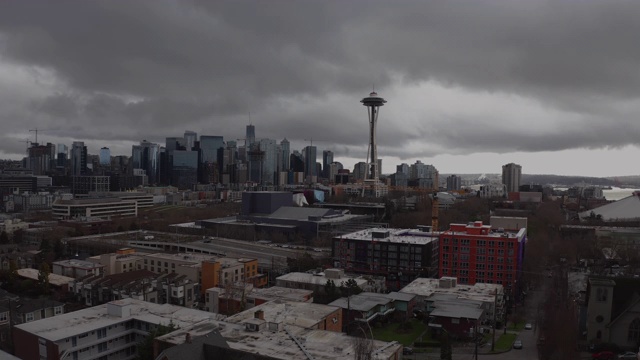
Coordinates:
[455,321]
[57,310]
[4,317]
[634,331]
[601,294]
[28,317]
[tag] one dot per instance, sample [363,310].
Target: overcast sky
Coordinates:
[471,85]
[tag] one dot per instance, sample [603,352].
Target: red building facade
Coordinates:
[475,252]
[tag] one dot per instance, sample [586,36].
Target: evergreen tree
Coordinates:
[43,277]
[350,287]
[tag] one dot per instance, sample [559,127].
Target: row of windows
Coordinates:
[479,243]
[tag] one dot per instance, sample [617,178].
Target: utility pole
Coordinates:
[495,309]
[475,338]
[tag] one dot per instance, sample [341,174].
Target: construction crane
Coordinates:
[434,211]
[28,142]
[36,131]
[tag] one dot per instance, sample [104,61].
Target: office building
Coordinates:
[190,139]
[511,174]
[327,159]
[70,209]
[78,158]
[285,155]
[146,156]
[309,154]
[105,156]
[250,137]
[269,161]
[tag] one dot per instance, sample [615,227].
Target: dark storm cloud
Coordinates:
[151,69]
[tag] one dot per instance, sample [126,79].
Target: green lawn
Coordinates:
[519,326]
[390,333]
[505,342]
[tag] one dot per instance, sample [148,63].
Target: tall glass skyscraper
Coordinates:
[78,158]
[146,156]
[209,146]
[190,138]
[309,153]
[285,155]
[105,156]
[327,159]
[251,134]
[270,161]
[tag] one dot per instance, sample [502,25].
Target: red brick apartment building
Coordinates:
[476,252]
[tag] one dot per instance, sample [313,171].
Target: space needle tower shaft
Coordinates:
[373,103]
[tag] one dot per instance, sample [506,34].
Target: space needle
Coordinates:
[373,103]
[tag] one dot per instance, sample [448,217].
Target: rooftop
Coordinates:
[279,292]
[362,302]
[78,322]
[319,344]
[54,279]
[623,209]
[407,236]
[83,264]
[305,315]
[426,287]
[317,279]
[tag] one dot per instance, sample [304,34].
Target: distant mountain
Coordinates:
[548,179]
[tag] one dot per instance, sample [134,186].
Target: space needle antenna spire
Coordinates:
[373,104]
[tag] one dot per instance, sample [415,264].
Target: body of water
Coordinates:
[617,193]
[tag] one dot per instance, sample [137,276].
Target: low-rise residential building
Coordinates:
[316,282]
[143,285]
[490,296]
[123,260]
[222,340]
[60,282]
[367,307]
[28,310]
[277,314]
[282,331]
[400,255]
[112,330]
[204,269]
[233,298]
[76,268]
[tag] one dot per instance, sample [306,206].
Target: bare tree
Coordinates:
[363,346]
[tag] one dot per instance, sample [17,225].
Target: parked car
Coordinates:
[629,355]
[407,351]
[528,326]
[517,344]
[603,355]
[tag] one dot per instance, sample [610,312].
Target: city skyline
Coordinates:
[547,86]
